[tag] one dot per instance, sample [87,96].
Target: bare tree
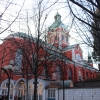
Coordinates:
[31,48]
[5,20]
[38,56]
[87,15]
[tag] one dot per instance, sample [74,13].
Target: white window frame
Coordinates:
[51,94]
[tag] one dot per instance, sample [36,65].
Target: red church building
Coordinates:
[52,61]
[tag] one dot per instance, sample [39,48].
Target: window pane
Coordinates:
[48,93]
[18,58]
[62,37]
[40,97]
[11,96]
[53,93]
[11,85]
[66,39]
[58,72]
[7,84]
[56,38]
[69,74]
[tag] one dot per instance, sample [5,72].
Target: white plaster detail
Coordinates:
[10,66]
[78,58]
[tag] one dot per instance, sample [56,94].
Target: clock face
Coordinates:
[78,57]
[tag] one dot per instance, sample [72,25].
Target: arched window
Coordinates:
[56,38]
[66,39]
[80,75]
[20,89]
[87,75]
[69,74]
[58,72]
[43,72]
[62,38]
[5,90]
[18,58]
[78,57]
[39,91]
[51,40]
[33,56]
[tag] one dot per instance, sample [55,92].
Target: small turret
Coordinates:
[90,62]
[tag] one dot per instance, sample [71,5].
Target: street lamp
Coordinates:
[10,67]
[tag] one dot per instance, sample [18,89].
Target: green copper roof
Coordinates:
[57,23]
[69,47]
[22,35]
[90,61]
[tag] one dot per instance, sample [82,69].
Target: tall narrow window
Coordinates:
[18,58]
[86,75]
[5,90]
[58,72]
[56,38]
[66,39]
[69,74]
[33,58]
[39,94]
[62,38]
[51,40]
[43,72]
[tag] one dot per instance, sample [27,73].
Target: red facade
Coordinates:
[56,59]
[70,68]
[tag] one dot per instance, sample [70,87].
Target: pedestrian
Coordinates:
[15,98]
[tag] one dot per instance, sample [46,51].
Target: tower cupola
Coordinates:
[58,34]
[57,17]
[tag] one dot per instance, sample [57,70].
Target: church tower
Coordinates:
[58,34]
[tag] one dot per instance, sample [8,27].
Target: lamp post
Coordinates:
[10,67]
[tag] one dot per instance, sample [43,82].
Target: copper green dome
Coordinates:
[57,23]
